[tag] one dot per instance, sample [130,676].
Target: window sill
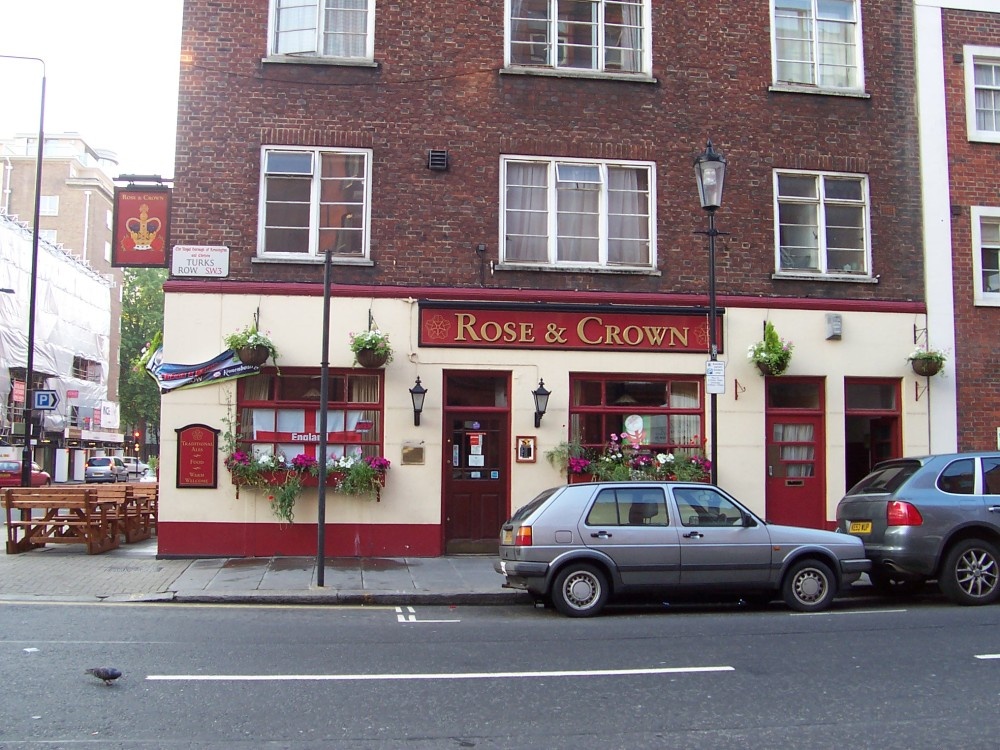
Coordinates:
[984,136]
[310,60]
[311,260]
[986,299]
[574,269]
[524,70]
[839,278]
[791,88]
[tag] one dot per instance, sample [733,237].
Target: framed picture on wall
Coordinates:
[525,449]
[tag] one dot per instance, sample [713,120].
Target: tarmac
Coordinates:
[134,573]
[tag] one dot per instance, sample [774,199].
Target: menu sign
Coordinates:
[197,451]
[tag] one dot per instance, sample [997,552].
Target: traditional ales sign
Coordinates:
[595,327]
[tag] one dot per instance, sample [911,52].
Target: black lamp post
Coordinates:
[541,401]
[417,395]
[710,172]
[29,391]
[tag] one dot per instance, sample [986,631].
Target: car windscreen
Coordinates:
[99,462]
[886,479]
[10,466]
[526,510]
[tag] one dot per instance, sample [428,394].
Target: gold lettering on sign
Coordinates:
[465,324]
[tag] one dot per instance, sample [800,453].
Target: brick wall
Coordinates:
[975,181]
[438,85]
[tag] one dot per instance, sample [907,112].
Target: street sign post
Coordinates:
[715,377]
[45,400]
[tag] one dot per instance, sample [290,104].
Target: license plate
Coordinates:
[861,527]
[507,536]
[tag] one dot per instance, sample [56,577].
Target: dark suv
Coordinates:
[931,517]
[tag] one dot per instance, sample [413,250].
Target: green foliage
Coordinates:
[373,340]
[773,351]
[250,336]
[141,322]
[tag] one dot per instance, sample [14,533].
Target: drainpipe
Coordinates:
[86,223]
[6,183]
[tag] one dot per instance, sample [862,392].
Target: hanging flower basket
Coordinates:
[765,368]
[371,358]
[926,367]
[771,354]
[253,355]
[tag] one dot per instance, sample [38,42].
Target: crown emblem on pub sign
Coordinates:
[143,229]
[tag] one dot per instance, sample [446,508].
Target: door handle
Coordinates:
[994,509]
[694,535]
[601,535]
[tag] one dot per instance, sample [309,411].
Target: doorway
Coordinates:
[871,426]
[476,461]
[795,445]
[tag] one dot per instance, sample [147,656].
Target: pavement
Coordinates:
[133,573]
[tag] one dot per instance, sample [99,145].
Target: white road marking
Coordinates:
[849,612]
[431,676]
[412,617]
[988,656]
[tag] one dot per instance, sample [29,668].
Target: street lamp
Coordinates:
[30,364]
[710,173]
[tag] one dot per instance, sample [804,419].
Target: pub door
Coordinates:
[476,444]
[796,472]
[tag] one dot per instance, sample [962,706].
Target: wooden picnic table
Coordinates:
[97,517]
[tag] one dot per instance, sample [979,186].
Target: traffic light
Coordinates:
[136,435]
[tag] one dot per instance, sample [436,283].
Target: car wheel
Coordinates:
[971,573]
[579,590]
[887,582]
[809,586]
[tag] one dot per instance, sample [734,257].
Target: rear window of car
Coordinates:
[526,510]
[10,466]
[886,479]
[98,462]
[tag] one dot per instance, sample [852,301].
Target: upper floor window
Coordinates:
[340,29]
[577,213]
[821,223]
[817,43]
[86,369]
[986,255]
[609,36]
[49,235]
[982,93]
[49,205]
[314,200]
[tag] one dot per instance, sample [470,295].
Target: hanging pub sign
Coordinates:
[141,227]
[579,327]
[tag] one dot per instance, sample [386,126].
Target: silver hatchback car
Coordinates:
[581,544]
[931,517]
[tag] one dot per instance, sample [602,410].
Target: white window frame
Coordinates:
[979,214]
[552,259]
[556,53]
[823,272]
[313,252]
[971,55]
[49,235]
[859,57]
[48,205]
[315,54]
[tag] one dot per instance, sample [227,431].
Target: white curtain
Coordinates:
[800,458]
[630,38]
[987,83]
[345,28]
[526,214]
[628,217]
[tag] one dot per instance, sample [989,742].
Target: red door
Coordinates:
[796,484]
[476,458]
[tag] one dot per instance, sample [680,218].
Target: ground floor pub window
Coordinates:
[279,415]
[661,414]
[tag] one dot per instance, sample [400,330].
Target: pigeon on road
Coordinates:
[108,674]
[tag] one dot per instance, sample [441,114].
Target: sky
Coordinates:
[110,75]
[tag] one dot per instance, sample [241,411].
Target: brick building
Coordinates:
[507,190]
[959,74]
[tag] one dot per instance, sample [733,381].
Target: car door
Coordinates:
[718,547]
[631,525]
[990,466]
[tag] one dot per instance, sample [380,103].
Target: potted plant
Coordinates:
[251,346]
[371,348]
[361,475]
[926,362]
[772,354]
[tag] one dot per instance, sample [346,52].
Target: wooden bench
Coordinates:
[147,497]
[69,515]
[133,522]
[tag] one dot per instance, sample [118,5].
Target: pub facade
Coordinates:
[507,192]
